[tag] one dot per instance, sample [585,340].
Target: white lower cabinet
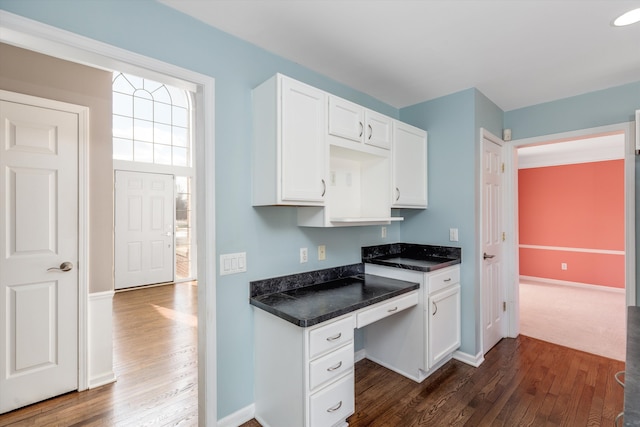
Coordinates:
[444,323]
[332,405]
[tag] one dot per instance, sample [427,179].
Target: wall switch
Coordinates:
[304,255]
[322,252]
[453,234]
[233,263]
[383,232]
[563,266]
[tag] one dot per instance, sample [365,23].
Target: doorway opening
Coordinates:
[154,182]
[571,216]
[625,130]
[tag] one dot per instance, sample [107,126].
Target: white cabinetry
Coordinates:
[409,158]
[444,315]
[356,123]
[304,376]
[289,148]
[435,332]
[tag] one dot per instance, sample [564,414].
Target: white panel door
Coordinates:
[492,288]
[145,210]
[39,232]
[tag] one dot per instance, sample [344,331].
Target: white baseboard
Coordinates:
[239,417]
[469,359]
[573,284]
[359,355]
[100,332]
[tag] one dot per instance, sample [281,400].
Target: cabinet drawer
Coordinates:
[332,404]
[330,336]
[387,308]
[330,366]
[441,280]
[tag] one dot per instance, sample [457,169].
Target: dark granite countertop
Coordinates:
[632,369]
[410,256]
[315,303]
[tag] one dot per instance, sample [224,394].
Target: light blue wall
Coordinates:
[453,123]
[269,235]
[600,108]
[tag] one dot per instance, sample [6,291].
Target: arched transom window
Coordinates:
[151,122]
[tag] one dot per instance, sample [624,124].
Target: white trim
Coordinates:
[359,355]
[35,36]
[239,417]
[469,359]
[572,284]
[563,249]
[511,170]
[99,339]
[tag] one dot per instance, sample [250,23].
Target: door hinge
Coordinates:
[504,306]
[502,167]
[504,236]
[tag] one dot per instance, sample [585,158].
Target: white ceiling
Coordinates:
[402,52]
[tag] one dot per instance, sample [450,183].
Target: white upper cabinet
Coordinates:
[289,147]
[409,167]
[356,123]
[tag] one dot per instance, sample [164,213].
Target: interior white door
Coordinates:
[145,210]
[493,300]
[39,234]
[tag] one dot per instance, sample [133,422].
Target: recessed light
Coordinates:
[628,18]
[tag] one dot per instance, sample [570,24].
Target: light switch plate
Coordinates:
[453,234]
[233,263]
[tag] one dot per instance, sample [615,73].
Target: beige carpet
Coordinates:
[589,320]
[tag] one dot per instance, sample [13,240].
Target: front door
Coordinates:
[39,250]
[144,229]
[493,302]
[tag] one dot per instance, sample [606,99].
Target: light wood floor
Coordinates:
[155,360]
[523,381]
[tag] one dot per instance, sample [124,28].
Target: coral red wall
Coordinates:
[573,206]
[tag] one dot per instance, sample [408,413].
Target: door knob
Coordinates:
[485,256]
[65,266]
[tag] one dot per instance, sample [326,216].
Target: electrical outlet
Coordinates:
[322,252]
[563,266]
[304,255]
[383,232]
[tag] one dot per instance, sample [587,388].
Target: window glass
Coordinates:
[151,121]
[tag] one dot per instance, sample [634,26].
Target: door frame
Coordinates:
[36,36]
[511,209]
[83,204]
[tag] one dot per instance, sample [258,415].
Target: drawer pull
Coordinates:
[435,306]
[335,337]
[391,310]
[335,408]
[334,367]
[617,377]
[447,280]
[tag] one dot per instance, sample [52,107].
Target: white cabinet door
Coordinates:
[302,138]
[346,119]
[409,154]
[289,151]
[444,323]
[379,130]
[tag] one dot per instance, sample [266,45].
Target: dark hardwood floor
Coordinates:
[523,381]
[155,361]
